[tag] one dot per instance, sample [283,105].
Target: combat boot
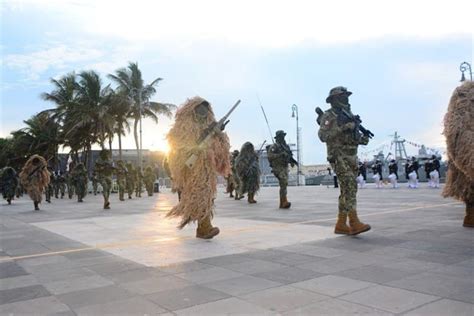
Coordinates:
[231,195]
[356,226]
[284,202]
[9,201]
[205,229]
[251,199]
[36,206]
[341,226]
[469,218]
[106,205]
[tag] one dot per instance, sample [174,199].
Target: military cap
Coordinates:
[337,91]
[280,133]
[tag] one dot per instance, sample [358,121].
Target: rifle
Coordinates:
[209,132]
[261,148]
[40,167]
[343,117]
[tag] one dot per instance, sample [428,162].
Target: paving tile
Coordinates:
[374,274]
[72,285]
[19,281]
[253,266]
[439,284]
[85,254]
[241,285]
[331,265]
[46,276]
[42,260]
[22,294]
[114,267]
[186,297]
[335,307]
[229,306]
[442,258]
[411,265]
[135,275]
[11,269]
[292,259]
[283,298]
[209,275]
[443,307]
[332,285]
[184,267]
[132,306]
[288,275]
[96,296]
[40,306]
[389,299]
[225,260]
[156,284]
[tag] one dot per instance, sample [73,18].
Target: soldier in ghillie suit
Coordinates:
[340,131]
[130,180]
[35,178]
[279,156]
[248,171]
[459,132]
[138,182]
[237,183]
[121,173]
[149,179]
[104,170]
[79,180]
[8,183]
[198,183]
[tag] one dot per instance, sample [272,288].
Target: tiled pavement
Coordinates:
[75,259]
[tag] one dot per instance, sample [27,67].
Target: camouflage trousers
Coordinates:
[346,170]
[282,175]
[130,187]
[106,183]
[121,187]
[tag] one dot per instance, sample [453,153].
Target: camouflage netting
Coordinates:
[199,184]
[35,183]
[459,132]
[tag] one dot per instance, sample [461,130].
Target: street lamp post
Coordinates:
[465,66]
[294,109]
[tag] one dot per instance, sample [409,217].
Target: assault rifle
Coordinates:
[40,167]
[208,133]
[343,117]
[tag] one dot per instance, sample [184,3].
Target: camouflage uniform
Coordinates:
[342,141]
[279,156]
[69,181]
[138,182]
[8,183]
[237,184]
[49,192]
[130,180]
[62,184]
[149,178]
[95,182]
[104,170]
[56,184]
[248,171]
[79,181]
[121,173]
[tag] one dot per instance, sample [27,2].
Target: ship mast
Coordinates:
[400,151]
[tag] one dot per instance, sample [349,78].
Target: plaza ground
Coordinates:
[76,259]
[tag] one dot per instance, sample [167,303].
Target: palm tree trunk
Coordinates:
[110,145]
[120,144]
[135,134]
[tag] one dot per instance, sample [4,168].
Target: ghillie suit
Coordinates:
[459,132]
[339,131]
[248,171]
[104,169]
[121,173]
[35,178]
[236,181]
[149,179]
[8,183]
[279,156]
[130,180]
[138,182]
[79,181]
[229,182]
[198,185]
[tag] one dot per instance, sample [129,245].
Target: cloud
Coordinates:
[36,63]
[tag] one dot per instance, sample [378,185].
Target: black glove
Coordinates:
[223,125]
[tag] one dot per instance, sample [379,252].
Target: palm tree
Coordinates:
[132,88]
[120,108]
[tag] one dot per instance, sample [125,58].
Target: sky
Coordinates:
[400,59]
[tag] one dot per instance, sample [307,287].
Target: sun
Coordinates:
[160,146]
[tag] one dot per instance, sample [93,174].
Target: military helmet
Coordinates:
[280,133]
[337,91]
